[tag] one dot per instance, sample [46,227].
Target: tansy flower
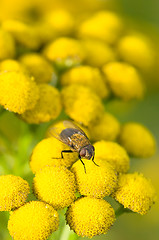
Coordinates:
[13,192]
[135,192]
[7,45]
[97,52]
[48,153]
[55,185]
[104,25]
[113,153]
[35,220]
[82,104]
[47,107]
[98,181]
[107,128]
[18,91]
[87,76]
[124,80]
[12,65]
[89,217]
[65,52]
[137,140]
[38,66]
[137,50]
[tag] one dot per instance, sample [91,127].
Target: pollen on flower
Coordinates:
[135,192]
[89,217]
[137,140]
[18,91]
[124,80]
[48,153]
[98,181]
[55,185]
[35,220]
[13,192]
[47,107]
[87,76]
[7,45]
[82,104]
[113,153]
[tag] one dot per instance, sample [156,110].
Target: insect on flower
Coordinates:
[74,137]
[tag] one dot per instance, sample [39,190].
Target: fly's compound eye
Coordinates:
[83,152]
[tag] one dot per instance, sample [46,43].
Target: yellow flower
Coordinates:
[107,128]
[98,181]
[35,220]
[137,50]
[89,217]
[18,91]
[48,153]
[55,185]
[97,52]
[124,80]
[12,65]
[104,25]
[13,192]
[87,76]
[137,140]
[113,153]
[7,45]
[135,192]
[38,66]
[47,107]
[65,52]
[81,104]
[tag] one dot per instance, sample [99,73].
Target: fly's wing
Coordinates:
[70,124]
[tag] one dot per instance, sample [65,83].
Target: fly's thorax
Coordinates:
[87,152]
[79,141]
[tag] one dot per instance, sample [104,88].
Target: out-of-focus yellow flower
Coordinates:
[104,25]
[7,45]
[87,76]
[65,52]
[98,53]
[18,91]
[81,104]
[98,181]
[135,192]
[137,50]
[38,66]
[23,33]
[12,65]
[89,217]
[124,80]
[35,220]
[113,153]
[47,107]
[48,153]
[55,185]
[13,192]
[107,128]
[137,140]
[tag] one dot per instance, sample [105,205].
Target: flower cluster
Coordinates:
[60,68]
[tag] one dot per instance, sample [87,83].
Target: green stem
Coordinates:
[66,234]
[122,210]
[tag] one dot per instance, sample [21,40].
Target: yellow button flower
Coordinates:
[98,181]
[13,192]
[12,65]
[124,80]
[107,128]
[137,140]
[113,153]
[47,107]
[48,153]
[35,220]
[135,192]
[82,104]
[38,66]
[89,217]
[7,45]
[18,91]
[55,185]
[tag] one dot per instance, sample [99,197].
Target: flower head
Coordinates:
[13,192]
[89,217]
[12,65]
[35,220]
[7,45]
[135,192]
[55,185]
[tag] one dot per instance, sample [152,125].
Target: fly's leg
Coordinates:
[66,151]
[82,163]
[94,162]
